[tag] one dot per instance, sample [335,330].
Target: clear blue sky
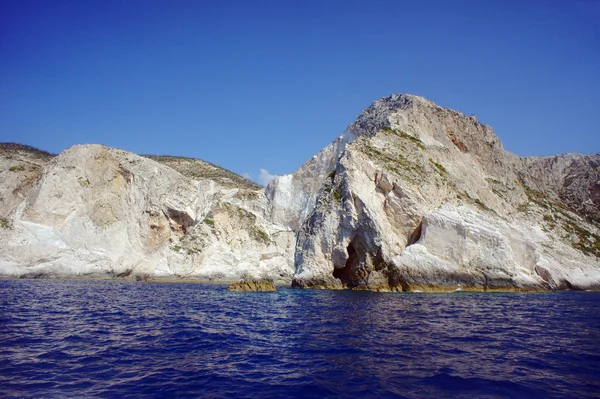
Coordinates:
[266,84]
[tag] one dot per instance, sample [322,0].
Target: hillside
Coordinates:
[417,197]
[198,169]
[189,167]
[411,197]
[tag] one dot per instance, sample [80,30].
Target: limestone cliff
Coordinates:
[425,198]
[410,197]
[94,211]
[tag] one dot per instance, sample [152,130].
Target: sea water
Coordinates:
[133,339]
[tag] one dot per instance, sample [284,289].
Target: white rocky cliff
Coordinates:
[411,197]
[425,198]
[94,211]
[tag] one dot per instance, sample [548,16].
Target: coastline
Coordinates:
[287,284]
[278,283]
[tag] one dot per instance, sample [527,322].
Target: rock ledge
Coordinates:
[252,286]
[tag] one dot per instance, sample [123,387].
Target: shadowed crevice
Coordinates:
[345,273]
[416,234]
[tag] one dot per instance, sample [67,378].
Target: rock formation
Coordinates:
[410,197]
[417,197]
[95,211]
[252,286]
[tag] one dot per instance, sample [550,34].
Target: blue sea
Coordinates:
[130,339]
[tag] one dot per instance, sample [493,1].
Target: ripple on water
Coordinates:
[115,338]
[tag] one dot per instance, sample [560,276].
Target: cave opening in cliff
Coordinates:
[179,219]
[416,234]
[344,274]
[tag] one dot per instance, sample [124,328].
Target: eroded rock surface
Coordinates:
[411,197]
[252,286]
[425,198]
[95,211]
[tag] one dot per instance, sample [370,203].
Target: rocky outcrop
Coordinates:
[411,197]
[20,167]
[94,211]
[425,198]
[201,170]
[570,179]
[252,286]
[293,197]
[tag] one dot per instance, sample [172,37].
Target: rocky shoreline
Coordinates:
[411,197]
[283,284]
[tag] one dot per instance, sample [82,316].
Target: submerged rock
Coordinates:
[252,286]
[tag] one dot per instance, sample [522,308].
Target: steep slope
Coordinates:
[293,197]
[570,179]
[425,198]
[20,167]
[410,197]
[198,169]
[101,212]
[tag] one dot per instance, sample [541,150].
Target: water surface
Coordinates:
[129,339]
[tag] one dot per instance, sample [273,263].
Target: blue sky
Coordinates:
[252,85]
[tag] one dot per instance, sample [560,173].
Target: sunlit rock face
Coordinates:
[95,211]
[411,197]
[252,286]
[425,198]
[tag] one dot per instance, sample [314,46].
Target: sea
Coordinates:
[124,339]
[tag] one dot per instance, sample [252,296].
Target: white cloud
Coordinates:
[264,177]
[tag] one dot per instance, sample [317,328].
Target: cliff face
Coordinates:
[570,179]
[425,198]
[411,197]
[102,212]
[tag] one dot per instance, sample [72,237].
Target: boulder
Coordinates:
[252,286]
